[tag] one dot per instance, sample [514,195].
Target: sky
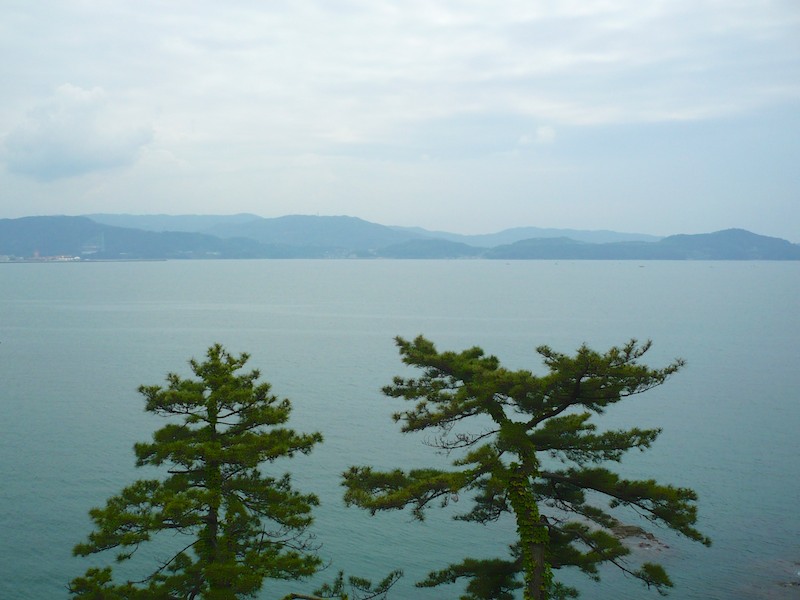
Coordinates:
[469,116]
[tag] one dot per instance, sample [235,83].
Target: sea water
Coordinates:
[76,340]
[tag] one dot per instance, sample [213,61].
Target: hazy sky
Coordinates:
[470,116]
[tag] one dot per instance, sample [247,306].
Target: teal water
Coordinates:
[77,339]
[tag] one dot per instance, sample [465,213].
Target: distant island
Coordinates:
[167,237]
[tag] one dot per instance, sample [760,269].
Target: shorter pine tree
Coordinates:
[235,526]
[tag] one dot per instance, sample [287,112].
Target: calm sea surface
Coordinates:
[77,339]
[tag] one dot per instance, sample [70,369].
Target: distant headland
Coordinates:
[167,237]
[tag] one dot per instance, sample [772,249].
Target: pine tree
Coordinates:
[351,588]
[540,460]
[234,525]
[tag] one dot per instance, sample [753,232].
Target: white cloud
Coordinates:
[74,132]
[545,135]
[304,75]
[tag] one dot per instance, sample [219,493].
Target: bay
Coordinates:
[76,340]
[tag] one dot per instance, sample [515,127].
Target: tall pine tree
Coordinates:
[540,460]
[230,525]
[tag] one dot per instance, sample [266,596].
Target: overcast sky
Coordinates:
[471,116]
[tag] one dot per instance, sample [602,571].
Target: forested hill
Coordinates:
[248,236]
[730,244]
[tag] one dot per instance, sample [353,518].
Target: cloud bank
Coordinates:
[73,133]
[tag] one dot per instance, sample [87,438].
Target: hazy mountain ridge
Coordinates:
[516,234]
[299,236]
[729,244]
[349,233]
[81,237]
[253,226]
[161,222]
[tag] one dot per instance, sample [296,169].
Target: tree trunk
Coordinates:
[536,582]
[533,538]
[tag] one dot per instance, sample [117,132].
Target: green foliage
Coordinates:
[537,422]
[235,526]
[358,588]
[494,579]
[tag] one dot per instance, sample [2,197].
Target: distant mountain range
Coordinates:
[143,237]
